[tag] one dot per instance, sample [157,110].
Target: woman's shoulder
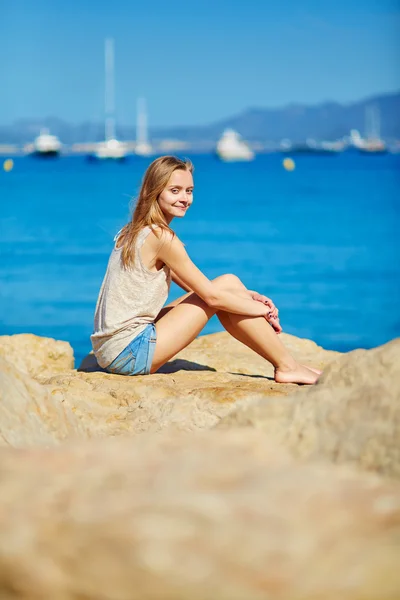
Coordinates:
[162,235]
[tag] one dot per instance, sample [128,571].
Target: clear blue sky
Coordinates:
[194,61]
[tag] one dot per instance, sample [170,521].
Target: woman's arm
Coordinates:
[179,282]
[172,252]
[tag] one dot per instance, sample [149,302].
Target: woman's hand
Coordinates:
[273,316]
[274,324]
[265,300]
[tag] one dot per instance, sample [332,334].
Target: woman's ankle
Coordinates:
[300,374]
[286,365]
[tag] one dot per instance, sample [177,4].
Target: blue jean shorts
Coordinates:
[137,357]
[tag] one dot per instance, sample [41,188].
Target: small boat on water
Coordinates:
[373,147]
[110,148]
[231,148]
[46,145]
[311,146]
[372,143]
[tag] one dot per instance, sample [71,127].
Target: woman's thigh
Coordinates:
[177,325]
[165,310]
[181,321]
[228,282]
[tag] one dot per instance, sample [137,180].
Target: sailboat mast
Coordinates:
[109,91]
[141,131]
[367,133]
[372,122]
[377,123]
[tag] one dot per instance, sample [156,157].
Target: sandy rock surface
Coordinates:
[36,355]
[352,415]
[192,392]
[219,515]
[30,415]
[228,493]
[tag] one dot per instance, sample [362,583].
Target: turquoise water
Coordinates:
[322,241]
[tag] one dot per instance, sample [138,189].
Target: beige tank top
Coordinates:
[129,300]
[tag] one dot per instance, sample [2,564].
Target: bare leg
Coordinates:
[179,323]
[255,333]
[252,332]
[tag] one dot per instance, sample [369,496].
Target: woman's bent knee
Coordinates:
[196,300]
[228,281]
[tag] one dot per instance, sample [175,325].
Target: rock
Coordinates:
[222,353]
[29,413]
[225,514]
[36,355]
[115,405]
[194,391]
[219,515]
[352,415]
[367,368]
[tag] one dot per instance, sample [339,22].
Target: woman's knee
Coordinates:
[229,281]
[196,300]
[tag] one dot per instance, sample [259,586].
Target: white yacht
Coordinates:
[372,142]
[231,147]
[110,148]
[46,145]
[143,146]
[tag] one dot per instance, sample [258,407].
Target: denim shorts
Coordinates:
[137,357]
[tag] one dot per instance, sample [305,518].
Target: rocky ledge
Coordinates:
[207,480]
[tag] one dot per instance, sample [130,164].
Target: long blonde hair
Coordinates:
[147,211]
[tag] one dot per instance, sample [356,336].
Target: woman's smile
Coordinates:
[177,195]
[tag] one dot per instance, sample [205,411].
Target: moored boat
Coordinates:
[311,146]
[231,148]
[372,143]
[110,148]
[46,145]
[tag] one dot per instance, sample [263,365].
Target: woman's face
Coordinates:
[177,196]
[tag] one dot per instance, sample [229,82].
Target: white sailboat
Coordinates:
[110,148]
[232,148]
[46,145]
[372,142]
[143,146]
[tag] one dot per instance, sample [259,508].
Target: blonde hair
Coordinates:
[147,211]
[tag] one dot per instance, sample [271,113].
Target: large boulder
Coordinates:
[36,355]
[30,415]
[220,514]
[193,391]
[352,415]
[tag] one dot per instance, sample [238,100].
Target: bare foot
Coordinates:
[317,371]
[299,374]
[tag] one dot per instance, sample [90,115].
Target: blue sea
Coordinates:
[322,241]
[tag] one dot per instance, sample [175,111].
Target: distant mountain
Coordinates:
[327,121]
[297,122]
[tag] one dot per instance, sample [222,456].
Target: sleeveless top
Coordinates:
[129,300]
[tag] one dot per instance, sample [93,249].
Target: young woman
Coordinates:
[133,333]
